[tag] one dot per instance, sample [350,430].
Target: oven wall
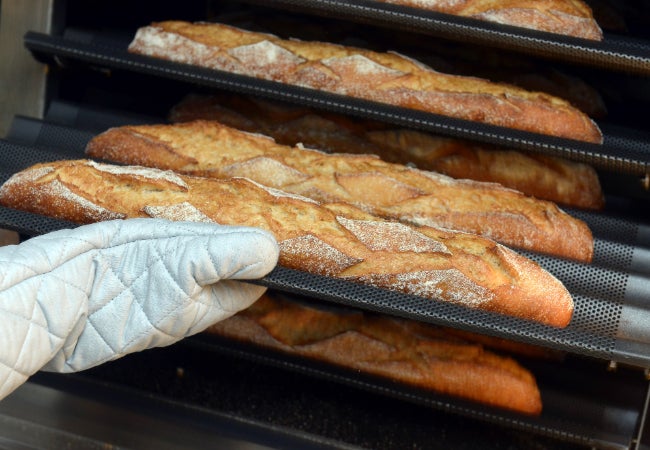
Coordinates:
[22,78]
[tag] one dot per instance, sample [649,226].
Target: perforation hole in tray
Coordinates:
[612,254]
[72,142]
[584,335]
[601,294]
[615,241]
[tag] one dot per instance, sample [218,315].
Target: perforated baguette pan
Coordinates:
[574,415]
[574,409]
[268,389]
[611,295]
[340,293]
[621,244]
[622,151]
[621,53]
[568,415]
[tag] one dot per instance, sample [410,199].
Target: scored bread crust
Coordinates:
[567,17]
[336,240]
[405,351]
[545,177]
[392,191]
[381,77]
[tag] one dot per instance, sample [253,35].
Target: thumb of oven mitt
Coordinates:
[74,299]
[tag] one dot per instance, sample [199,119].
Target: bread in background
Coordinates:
[566,17]
[550,178]
[404,351]
[383,77]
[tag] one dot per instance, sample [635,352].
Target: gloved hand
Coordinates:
[73,299]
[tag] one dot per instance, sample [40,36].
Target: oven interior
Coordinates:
[214,392]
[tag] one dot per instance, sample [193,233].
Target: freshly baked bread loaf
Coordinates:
[391,191]
[568,17]
[446,56]
[510,68]
[575,90]
[286,124]
[335,239]
[381,77]
[551,178]
[405,351]
[545,177]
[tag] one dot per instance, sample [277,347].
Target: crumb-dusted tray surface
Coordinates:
[619,153]
[610,295]
[621,53]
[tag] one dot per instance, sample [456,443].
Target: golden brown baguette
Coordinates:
[381,77]
[404,351]
[495,65]
[550,80]
[336,240]
[392,191]
[287,124]
[545,177]
[453,58]
[567,17]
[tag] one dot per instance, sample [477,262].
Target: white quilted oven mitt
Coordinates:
[73,299]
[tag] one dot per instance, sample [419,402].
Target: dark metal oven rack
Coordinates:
[622,150]
[615,52]
[622,263]
[609,294]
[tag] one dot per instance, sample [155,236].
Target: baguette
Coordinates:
[400,350]
[498,66]
[335,240]
[391,191]
[545,177]
[550,178]
[380,77]
[453,58]
[567,17]
[286,124]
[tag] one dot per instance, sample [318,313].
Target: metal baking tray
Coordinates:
[82,412]
[611,295]
[594,333]
[614,52]
[623,151]
[582,416]
[565,393]
[205,383]
[577,408]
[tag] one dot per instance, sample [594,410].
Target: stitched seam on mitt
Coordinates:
[91,315]
[29,319]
